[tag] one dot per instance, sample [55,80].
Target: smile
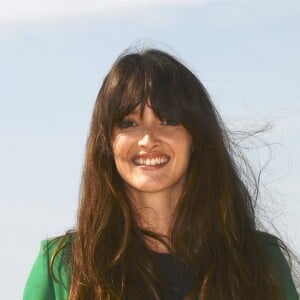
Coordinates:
[151,161]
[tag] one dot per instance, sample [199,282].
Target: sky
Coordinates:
[53,58]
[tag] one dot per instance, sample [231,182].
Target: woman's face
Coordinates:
[151,155]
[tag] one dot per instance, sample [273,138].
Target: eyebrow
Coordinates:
[135,113]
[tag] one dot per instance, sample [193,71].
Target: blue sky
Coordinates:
[53,57]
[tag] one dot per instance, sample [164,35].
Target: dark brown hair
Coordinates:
[214,234]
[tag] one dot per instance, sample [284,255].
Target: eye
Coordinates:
[126,123]
[170,123]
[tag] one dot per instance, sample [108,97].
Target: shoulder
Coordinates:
[278,255]
[50,275]
[275,250]
[267,238]
[58,250]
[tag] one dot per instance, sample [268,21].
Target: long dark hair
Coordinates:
[214,233]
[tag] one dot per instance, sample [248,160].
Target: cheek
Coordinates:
[119,146]
[182,144]
[122,148]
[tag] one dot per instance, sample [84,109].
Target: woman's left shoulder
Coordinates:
[280,259]
[275,249]
[267,239]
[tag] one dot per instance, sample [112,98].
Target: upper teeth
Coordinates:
[151,162]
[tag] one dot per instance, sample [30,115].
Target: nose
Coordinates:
[149,139]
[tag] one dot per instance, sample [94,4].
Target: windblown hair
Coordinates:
[214,234]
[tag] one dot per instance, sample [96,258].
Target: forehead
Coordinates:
[162,106]
[141,110]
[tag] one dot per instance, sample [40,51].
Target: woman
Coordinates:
[164,213]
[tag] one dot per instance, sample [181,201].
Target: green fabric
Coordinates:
[281,265]
[41,286]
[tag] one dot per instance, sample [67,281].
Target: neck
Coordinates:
[155,212]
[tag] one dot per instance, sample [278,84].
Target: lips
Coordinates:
[150,160]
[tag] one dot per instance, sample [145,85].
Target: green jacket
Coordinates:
[41,285]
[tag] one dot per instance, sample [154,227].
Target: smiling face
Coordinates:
[151,155]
